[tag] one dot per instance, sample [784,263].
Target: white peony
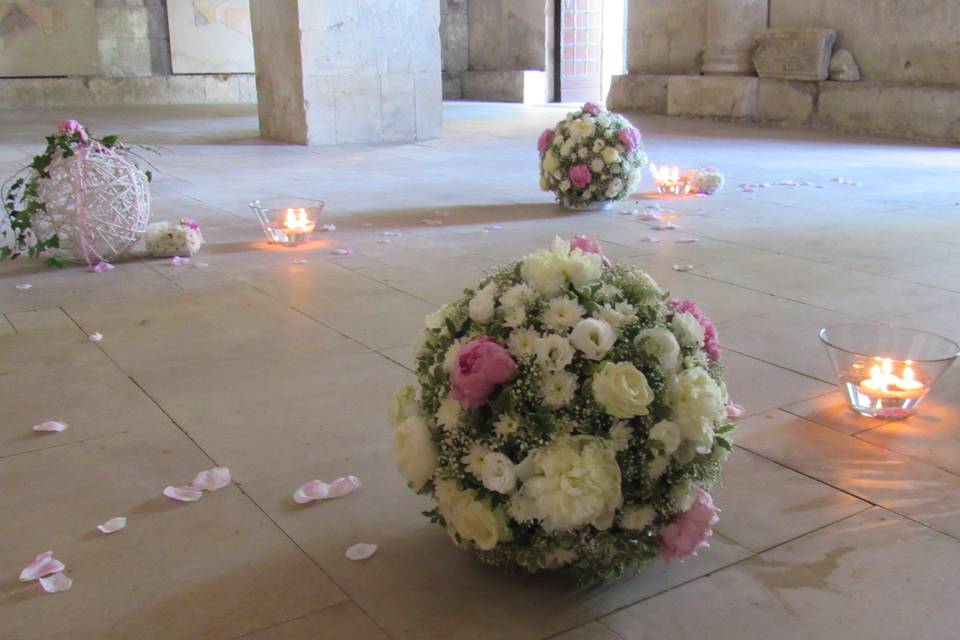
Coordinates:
[688,329]
[414,452]
[697,403]
[550,162]
[554,352]
[660,343]
[594,338]
[622,390]
[542,271]
[579,267]
[562,313]
[668,434]
[448,414]
[576,482]
[482,305]
[523,342]
[497,473]
[637,518]
[403,404]
[558,388]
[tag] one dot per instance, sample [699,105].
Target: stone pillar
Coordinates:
[335,71]
[730,28]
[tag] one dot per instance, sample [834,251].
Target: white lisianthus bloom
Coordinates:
[403,404]
[436,319]
[497,473]
[576,482]
[483,304]
[610,155]
[518,295]
[506,425]
[414,452]
[554,352]
[697,403]
[450,357]
[523,342]
[581,128]
[594,338]
[622,390]
[542,271]
[688,329]
[620,435]
[448,414]
[668,434]
[614,188]
[597,165]
[658,466]
[514,317]
[637,518]
[558,388]
[565,185]
[660,343]
[562,313]
[550,162]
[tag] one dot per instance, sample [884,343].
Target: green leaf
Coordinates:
[727,428]
[54,262]
[108,141]
[149,175]
[723,442]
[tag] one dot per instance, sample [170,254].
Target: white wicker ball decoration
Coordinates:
[97,202]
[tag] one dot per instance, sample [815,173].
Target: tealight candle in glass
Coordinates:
[287,221]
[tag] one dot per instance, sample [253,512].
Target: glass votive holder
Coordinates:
[886,371]
[287,221]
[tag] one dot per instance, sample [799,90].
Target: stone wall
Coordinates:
[454,46]
[509,34]
[665,36]
[133,37]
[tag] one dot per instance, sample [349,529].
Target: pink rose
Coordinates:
[629,138]
[711,343]
[592,108]
[690,530]
[580,176]
[543,142]
[73,127]
[589,244]
[481,366]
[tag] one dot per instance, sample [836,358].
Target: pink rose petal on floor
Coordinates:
[493,227]
[112,525]
[343,252]
[384,241]
[650,239]
[328,227]
[24,286]
[688,240]
[43,565]
[51,426]
[212,479]
[343,486]
[311,491]
[392,234]
[96,336]
[177,261]
[683,267]
[201,265]
[101,266]
[183,494]
[300,261]
[735,410]
[56,583]
[361,551]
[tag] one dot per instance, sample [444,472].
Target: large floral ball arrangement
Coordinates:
[567,414]
[590,158]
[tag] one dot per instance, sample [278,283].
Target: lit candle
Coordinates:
[883,383]
[668,180]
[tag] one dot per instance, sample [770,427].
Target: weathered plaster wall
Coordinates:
[133,37]
[454,46]
[665,36]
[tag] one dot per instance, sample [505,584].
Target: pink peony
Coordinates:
[589,244]
[690,530]
[543,142]
[73,127]
[711,344]
[580,176]
[629,138]
[592,108]
[482,364]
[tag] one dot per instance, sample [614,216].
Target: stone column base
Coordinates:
[527,87]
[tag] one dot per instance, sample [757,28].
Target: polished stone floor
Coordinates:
[278,363]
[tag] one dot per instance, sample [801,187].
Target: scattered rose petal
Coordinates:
[649,216]
[806,183]
[300,261]
[343,252]
[392,234]
[24,286]
[51,426]
[787,183]
[201,265]
[650,239]
[384,241]
[311,491]
[493,227]
[664,226]
[101,266]
[764,185]
[56,583]
[113,524]
[683,267]
[328,227]
[177,261]
[183,494]
[735,410]
[688,240]
[43,565]
[343,486]
[96,336]
[361,551]
[212,479]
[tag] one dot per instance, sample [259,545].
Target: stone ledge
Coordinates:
[528,87]
[712,96]
[643,92]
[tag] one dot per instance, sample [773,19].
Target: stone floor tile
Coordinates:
[340,622]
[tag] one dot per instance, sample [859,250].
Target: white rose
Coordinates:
[414,452]
[542,272]
[667,433]
[688,329]
[550,162]
[637,518]
[483,304]
[622,390]
[697,403]
[403,404]
[594,338]
[610,155]
[497,473]
[448,414]
[660,343]
[554,352]
[476,522]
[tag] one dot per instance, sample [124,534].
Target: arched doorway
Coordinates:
[591,40]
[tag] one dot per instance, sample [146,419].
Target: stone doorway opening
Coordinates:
[591,48]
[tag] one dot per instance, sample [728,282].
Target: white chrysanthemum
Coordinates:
[689,331]
[450,357]
[658,466]
[694,360]
[697,403]
[594,338]
[507,424]
[483,304]
[554,352]
[583,153]
[576,482]
[660,343]
[668,434]
[519,295]
[558,388]
[448,414]
[622,390]
[514,317]
[637,518]
[620,435]
[523,342]
[403,404]
[644,287]
[474,459]
[497,473]
[414,452]
[562,313]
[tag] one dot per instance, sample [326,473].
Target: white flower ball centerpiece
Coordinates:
[567,414]
[591,158]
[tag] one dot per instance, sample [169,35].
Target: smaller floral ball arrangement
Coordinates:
[568,413]
[170,239]
[707,181]
[591,157]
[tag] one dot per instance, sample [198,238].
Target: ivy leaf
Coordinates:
[723,442]
[108,141]
[727,428]
[54,262]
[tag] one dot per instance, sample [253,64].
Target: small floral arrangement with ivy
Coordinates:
[591,156]
[21,194]
[568,414]
[169,239]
